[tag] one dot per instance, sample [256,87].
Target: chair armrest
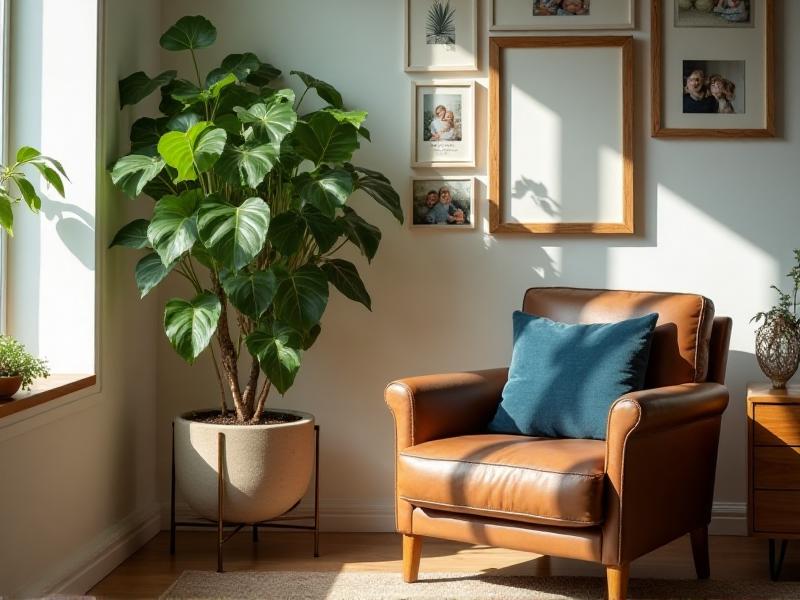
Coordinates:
[661,455]
[437,406]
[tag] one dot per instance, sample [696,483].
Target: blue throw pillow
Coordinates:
[563,378]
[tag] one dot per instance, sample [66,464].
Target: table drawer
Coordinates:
[776,468]
[776,425]
[776,511]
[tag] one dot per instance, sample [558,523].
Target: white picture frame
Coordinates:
[455,49]
[446,139]
[463,191]
[519,15]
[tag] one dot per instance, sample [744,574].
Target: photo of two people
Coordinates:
[560,8]
[713,86]
[445,202]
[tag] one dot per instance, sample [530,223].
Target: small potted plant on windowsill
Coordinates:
[18,368]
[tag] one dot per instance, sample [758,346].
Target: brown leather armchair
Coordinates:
[607,501]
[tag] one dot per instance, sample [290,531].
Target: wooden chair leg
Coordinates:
[412,551]
[700,552]
[617,582]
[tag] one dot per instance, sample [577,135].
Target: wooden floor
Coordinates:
[151,570]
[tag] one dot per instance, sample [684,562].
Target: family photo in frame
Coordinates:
[444,124]
[447,202]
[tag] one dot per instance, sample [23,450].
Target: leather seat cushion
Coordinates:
[520,478]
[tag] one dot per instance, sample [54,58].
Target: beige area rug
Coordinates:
[280,585]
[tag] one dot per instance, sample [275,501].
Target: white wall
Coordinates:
[717,218]
[78,492]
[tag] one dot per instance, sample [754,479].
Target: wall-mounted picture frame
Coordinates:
[533,15]
[442,202]
[441,35]
[713,71]
[444,124]
[557,163]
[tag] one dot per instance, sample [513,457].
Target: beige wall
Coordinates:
[719,218]
[78,492]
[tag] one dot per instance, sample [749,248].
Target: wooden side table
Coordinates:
[773,467]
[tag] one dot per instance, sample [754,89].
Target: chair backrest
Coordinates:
[681,341]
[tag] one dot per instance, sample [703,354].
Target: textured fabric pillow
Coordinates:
[563,378]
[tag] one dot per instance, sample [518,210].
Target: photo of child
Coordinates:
[445,202]
[441,118]
[713,13]
[710,86]
[560,8]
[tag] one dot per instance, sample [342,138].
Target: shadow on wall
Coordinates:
[75,228]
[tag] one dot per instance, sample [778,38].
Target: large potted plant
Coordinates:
[250,209]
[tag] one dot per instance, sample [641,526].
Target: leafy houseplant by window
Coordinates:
[778,338]
[18,367]
[50,169]
[251,207]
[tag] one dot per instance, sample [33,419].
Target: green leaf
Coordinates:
[324,140]
[302,297]
[187,93]
[364,132]
[241,65]
[380,189]
[51,176]
[150,271]
[230,124]
[263,75]
[286,232]
[145,133]
[325,230]
[28,193]
[190,325]
[194,151]
[173,229]
[132,235]
[367,237]
[168,105]
[233,234]
[328,191]
[276,117]
[132,172]
[233,96]
[353,117]
[310,337]
[6,214]
[250,293]
[345,277]
[189,33]
[26,153]
[324,90]
[183,122]
[247,165]
[216,89]
[138,86]
[277,353]
[159,187]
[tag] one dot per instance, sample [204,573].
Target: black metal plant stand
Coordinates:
[221,524]
[775,566]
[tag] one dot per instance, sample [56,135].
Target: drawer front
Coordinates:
[776,468]
[777,512]
[776,425]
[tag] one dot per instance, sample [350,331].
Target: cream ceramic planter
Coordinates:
[267,468]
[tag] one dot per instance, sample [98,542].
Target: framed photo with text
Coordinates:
[559,164]
[531,15]
[441,35]
[713,69]
[443,202]
[444,124]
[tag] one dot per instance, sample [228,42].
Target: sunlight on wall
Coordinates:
[54,108]
[610,166]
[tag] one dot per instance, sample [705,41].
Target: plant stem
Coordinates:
[219,380]
[196,69]
[262,397]
[299,102]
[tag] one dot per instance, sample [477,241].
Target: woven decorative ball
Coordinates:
[778,350]
[704,5]
[685,4]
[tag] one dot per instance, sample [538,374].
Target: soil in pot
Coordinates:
[215,417]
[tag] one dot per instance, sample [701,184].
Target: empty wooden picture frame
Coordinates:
[530,15]
[444,124]
[561,135]
[713,70]
[441,35]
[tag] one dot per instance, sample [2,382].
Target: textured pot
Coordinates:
[778,351]
[267,468]
[9,386]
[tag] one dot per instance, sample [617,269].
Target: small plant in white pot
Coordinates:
[18,367]
[250,209]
